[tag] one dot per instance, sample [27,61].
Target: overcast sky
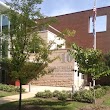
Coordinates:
[59,7]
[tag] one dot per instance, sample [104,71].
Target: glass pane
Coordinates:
[4,21]
[101,24]
[0,23]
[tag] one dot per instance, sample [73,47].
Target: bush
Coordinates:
[56,93]
[10,88]
[39,94]
[100,92]
[87,95]
[107,88]
[97,86]
[45,94]
[69,93]
[83,96]
[62,96]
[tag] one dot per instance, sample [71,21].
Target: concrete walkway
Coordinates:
[13,98]
[33,90]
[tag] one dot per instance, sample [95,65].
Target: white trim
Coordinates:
[54,29]
[1,23]
[4,5]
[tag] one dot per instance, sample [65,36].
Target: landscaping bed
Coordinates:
[86,96]
[7,90]
[64,100]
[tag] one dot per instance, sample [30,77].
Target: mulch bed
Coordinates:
[96,107]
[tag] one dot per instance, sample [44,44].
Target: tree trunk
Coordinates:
[94,90]
[20,95]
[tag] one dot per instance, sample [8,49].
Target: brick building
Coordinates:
[81,23]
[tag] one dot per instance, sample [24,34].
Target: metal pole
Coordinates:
[1,37]
[94,34]
[94,26]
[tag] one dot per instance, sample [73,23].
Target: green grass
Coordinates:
[43,104]
[107,102]
[3,93]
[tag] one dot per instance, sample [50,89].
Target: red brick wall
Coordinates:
[80,22]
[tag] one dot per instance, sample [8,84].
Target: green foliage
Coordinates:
[100,92]
[87,95]
[25,41]
[107,88]
[90,61]
[62,96]
[56,93]
[107,59]
[83,96]
[97,86]
[10,88]
[43,104]
[45,94]
[39,94]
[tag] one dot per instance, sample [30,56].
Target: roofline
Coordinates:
[4,5]
[80,11]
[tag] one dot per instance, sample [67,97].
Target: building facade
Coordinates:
[63,74]
[81,23]
[4,25]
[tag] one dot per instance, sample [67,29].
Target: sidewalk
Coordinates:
[33,90]
[13,98]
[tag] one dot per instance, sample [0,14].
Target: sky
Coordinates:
[60,7]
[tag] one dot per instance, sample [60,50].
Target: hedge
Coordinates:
[9,88]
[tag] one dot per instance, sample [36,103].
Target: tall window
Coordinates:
[4,24]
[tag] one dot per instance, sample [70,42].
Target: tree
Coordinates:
[24,41]
[107,59]
[90,61]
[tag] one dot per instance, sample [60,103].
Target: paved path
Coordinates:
[13,98]
[33,91]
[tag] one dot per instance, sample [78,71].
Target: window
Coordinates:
[101,24]
[5,21]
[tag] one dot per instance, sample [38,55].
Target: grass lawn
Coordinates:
[43,104]
[107,102]
[3,93]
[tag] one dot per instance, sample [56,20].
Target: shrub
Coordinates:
[10,88]
[45,94]
[63,96]
[100,92]
[87,95]
[83,96]
[69,93]
[39,94]
[97,86]
[56,93]
[107,88]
